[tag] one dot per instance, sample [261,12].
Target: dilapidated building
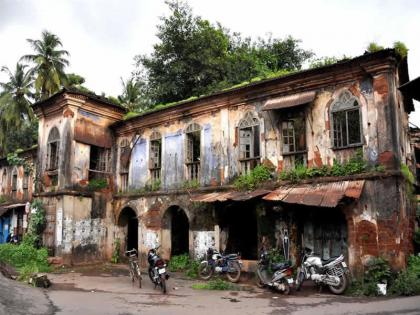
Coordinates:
[165,176]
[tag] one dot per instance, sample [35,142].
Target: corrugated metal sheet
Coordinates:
[319,195]
[289,100]
[231,195]
[6,208]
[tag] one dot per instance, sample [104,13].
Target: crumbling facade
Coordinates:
[165,176]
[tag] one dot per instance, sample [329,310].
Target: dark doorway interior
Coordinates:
[325,231]
[240,222]
[128,219]
[179,231]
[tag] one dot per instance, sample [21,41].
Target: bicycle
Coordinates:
[134,266]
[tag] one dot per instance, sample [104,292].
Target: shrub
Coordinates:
[185,264]
[407,282]
[25,258]
[250,181]
[179,263]
[191,184]
[116,253]
[97,184]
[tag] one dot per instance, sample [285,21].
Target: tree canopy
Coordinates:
[194,57]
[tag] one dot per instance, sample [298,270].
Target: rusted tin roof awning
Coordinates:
[231,195]
[4,209]
[412,88]
[289,100]
[319,195]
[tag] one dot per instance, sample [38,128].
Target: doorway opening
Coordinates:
[176,220]
[129,221]
[238,224]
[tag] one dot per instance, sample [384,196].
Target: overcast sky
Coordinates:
[103,36]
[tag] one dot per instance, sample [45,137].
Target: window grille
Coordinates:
[249,143]
[193,151]
[53,146]
[346,121]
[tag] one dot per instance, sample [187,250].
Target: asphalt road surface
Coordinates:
[105,290]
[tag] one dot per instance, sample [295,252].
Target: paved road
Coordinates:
[105,291]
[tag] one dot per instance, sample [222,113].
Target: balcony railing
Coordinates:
[193,170]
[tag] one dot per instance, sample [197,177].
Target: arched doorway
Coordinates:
[175,222]
[129,222]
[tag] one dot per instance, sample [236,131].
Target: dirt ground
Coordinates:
[107,289]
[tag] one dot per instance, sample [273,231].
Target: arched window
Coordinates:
[193,151]
[346,121]
[14,183]
[249,142]
[155,162]
[53,147]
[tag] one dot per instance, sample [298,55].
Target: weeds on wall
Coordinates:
[256,177]
[36,225]
[191,184]
[14,159]
[115,259]
[97,184]
[355,165]
[4,199]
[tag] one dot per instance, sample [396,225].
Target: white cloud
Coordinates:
[104,36]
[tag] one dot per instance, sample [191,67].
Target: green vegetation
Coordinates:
[406,282]
[14,159]
[116,252]
[257,176]
[191,184]
[216,284]
[4,199]
[97,184]
[25,258]
[195,57]
[355,165]
[399,47]
[49,62]
[36,226]
[183,263]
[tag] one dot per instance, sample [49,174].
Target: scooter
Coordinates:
[157,269]
[281,279]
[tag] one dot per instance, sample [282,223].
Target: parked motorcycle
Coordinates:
[215,262]
[280,280]
[332,272]
[157,269]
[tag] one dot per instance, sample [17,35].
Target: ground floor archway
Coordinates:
[176,228]
[129,224]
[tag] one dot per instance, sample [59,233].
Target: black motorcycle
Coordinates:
[275,276]
[230,264]
[157,269]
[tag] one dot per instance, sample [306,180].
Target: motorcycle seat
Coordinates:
[279,266]
[231,256]
[327,261]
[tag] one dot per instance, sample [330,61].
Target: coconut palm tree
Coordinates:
[50,63]
[15,105]
[131,94]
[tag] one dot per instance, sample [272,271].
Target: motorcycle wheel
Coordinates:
[286,287]
[339,289]
[258,280]
[299,279]
[138,276]
[236,271]
[205,271]
[163,284]
[151,276]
